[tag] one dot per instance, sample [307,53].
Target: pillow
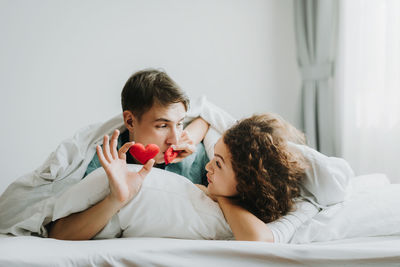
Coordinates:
[327,178]
[371,210]
[168,205]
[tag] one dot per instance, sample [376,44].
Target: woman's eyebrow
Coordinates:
[217,155]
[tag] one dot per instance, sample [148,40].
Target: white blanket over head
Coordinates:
[28,204]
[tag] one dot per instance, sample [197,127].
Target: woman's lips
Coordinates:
[208,179]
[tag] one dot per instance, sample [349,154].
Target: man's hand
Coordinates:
[193,134]
[185,147]
[124,184]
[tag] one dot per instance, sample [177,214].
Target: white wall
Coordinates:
[63,63]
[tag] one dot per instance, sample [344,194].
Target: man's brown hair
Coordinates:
[148,87]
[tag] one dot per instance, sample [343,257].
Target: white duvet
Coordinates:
[27,204]
[32,201]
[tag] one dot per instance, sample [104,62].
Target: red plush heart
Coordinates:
[144,154]
[169,155]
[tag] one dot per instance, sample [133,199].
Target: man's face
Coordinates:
[162,126]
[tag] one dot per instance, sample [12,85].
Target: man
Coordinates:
[154,108]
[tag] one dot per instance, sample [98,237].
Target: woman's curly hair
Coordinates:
[268,173]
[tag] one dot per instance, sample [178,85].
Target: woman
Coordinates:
[254,176]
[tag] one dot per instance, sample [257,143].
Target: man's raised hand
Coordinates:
[185,147]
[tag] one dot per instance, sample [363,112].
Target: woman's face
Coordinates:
[220,175]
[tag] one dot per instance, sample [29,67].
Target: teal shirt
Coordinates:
[192,167]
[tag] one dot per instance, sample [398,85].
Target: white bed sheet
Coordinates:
[36,251]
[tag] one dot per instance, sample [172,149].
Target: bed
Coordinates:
[36,251]
[338,236]
[357,229]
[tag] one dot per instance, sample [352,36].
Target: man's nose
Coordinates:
[173,137]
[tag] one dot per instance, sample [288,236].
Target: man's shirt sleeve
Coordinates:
[94,164]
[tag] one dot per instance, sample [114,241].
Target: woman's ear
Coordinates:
[129,120]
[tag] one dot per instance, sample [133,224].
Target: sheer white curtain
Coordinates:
[368,86]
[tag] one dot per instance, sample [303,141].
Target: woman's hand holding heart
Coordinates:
[124,184]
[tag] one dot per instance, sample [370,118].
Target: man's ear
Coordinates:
[129,120]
